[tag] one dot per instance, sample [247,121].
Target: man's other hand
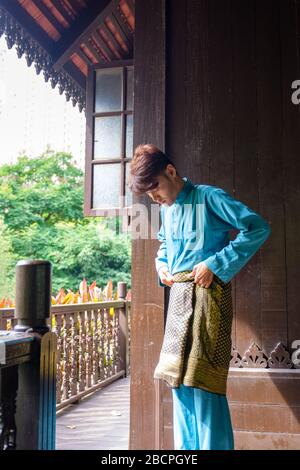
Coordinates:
[165,277]
[202,275]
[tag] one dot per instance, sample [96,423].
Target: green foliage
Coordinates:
[41,200]
[6,264]
[41,190]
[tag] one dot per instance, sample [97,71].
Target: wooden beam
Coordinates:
[83,26]
[101,43]
[83,56]
[76,5]
[75,73]
[49,15]
[94,51]
[123,25]
[117,22]
[131,5]
[28,23]
[60,8]
[112,38]
[123,31]
[119,28]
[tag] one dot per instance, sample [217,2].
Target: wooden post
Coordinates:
[36,399]
[33,295]
[122,290]
[8,394]
[123,330]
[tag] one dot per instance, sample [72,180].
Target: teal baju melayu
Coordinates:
[201,420]
[196,228]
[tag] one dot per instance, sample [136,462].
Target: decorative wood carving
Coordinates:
[235,358]
[254,357]
[280,358]
[16,35]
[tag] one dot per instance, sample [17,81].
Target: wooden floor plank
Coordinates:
[93,424]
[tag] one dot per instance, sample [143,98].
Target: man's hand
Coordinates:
[166,277]
[202,275]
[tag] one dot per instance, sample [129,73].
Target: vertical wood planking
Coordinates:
[246,164]
[176,146]
[290,69]
[230,122]
[176,76]
[147,310]
[273,326]
[197,125]
[220,75]
[221,110]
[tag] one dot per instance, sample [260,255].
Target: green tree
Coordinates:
[6,265]
[41,190]
[41,200]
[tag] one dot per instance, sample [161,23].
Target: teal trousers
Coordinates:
[201,420]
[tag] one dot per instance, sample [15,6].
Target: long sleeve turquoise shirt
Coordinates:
[196,228]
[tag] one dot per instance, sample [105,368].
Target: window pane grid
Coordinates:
[112,141]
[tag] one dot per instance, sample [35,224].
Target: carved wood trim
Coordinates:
[16,35]
[280,358]
[255,357]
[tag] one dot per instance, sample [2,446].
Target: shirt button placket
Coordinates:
[175,222]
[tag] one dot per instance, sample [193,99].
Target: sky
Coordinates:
[33,116]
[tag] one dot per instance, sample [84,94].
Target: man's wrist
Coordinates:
[161,269]
[211,264]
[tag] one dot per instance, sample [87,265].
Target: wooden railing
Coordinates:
[93,345]
[28,364]
[74,350]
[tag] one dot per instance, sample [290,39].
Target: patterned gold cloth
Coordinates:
[196,349]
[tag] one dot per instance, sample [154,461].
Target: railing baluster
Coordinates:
[89,350]
[76,349]
[93,346]
[64,359]
[73,364]
[81,352]
[58,331]
[122,331]
[98,343]
[89,346]
[107,341]
[128,317]
[101,344]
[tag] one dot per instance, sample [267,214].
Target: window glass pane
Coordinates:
[108,94]
[129,136]
[107,133]
[129,89]
[128,192]
[106,185]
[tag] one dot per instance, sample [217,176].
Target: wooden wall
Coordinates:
[147,313]
[213,89]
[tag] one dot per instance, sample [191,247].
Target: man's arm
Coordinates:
[254,230]
[161,260]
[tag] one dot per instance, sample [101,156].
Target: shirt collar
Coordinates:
[188,186]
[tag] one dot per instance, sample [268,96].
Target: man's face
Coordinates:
[166,190]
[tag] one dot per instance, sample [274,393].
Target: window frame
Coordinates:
[90,162]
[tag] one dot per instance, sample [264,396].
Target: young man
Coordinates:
[194,236]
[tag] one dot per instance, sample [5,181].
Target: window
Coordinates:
[109,138]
